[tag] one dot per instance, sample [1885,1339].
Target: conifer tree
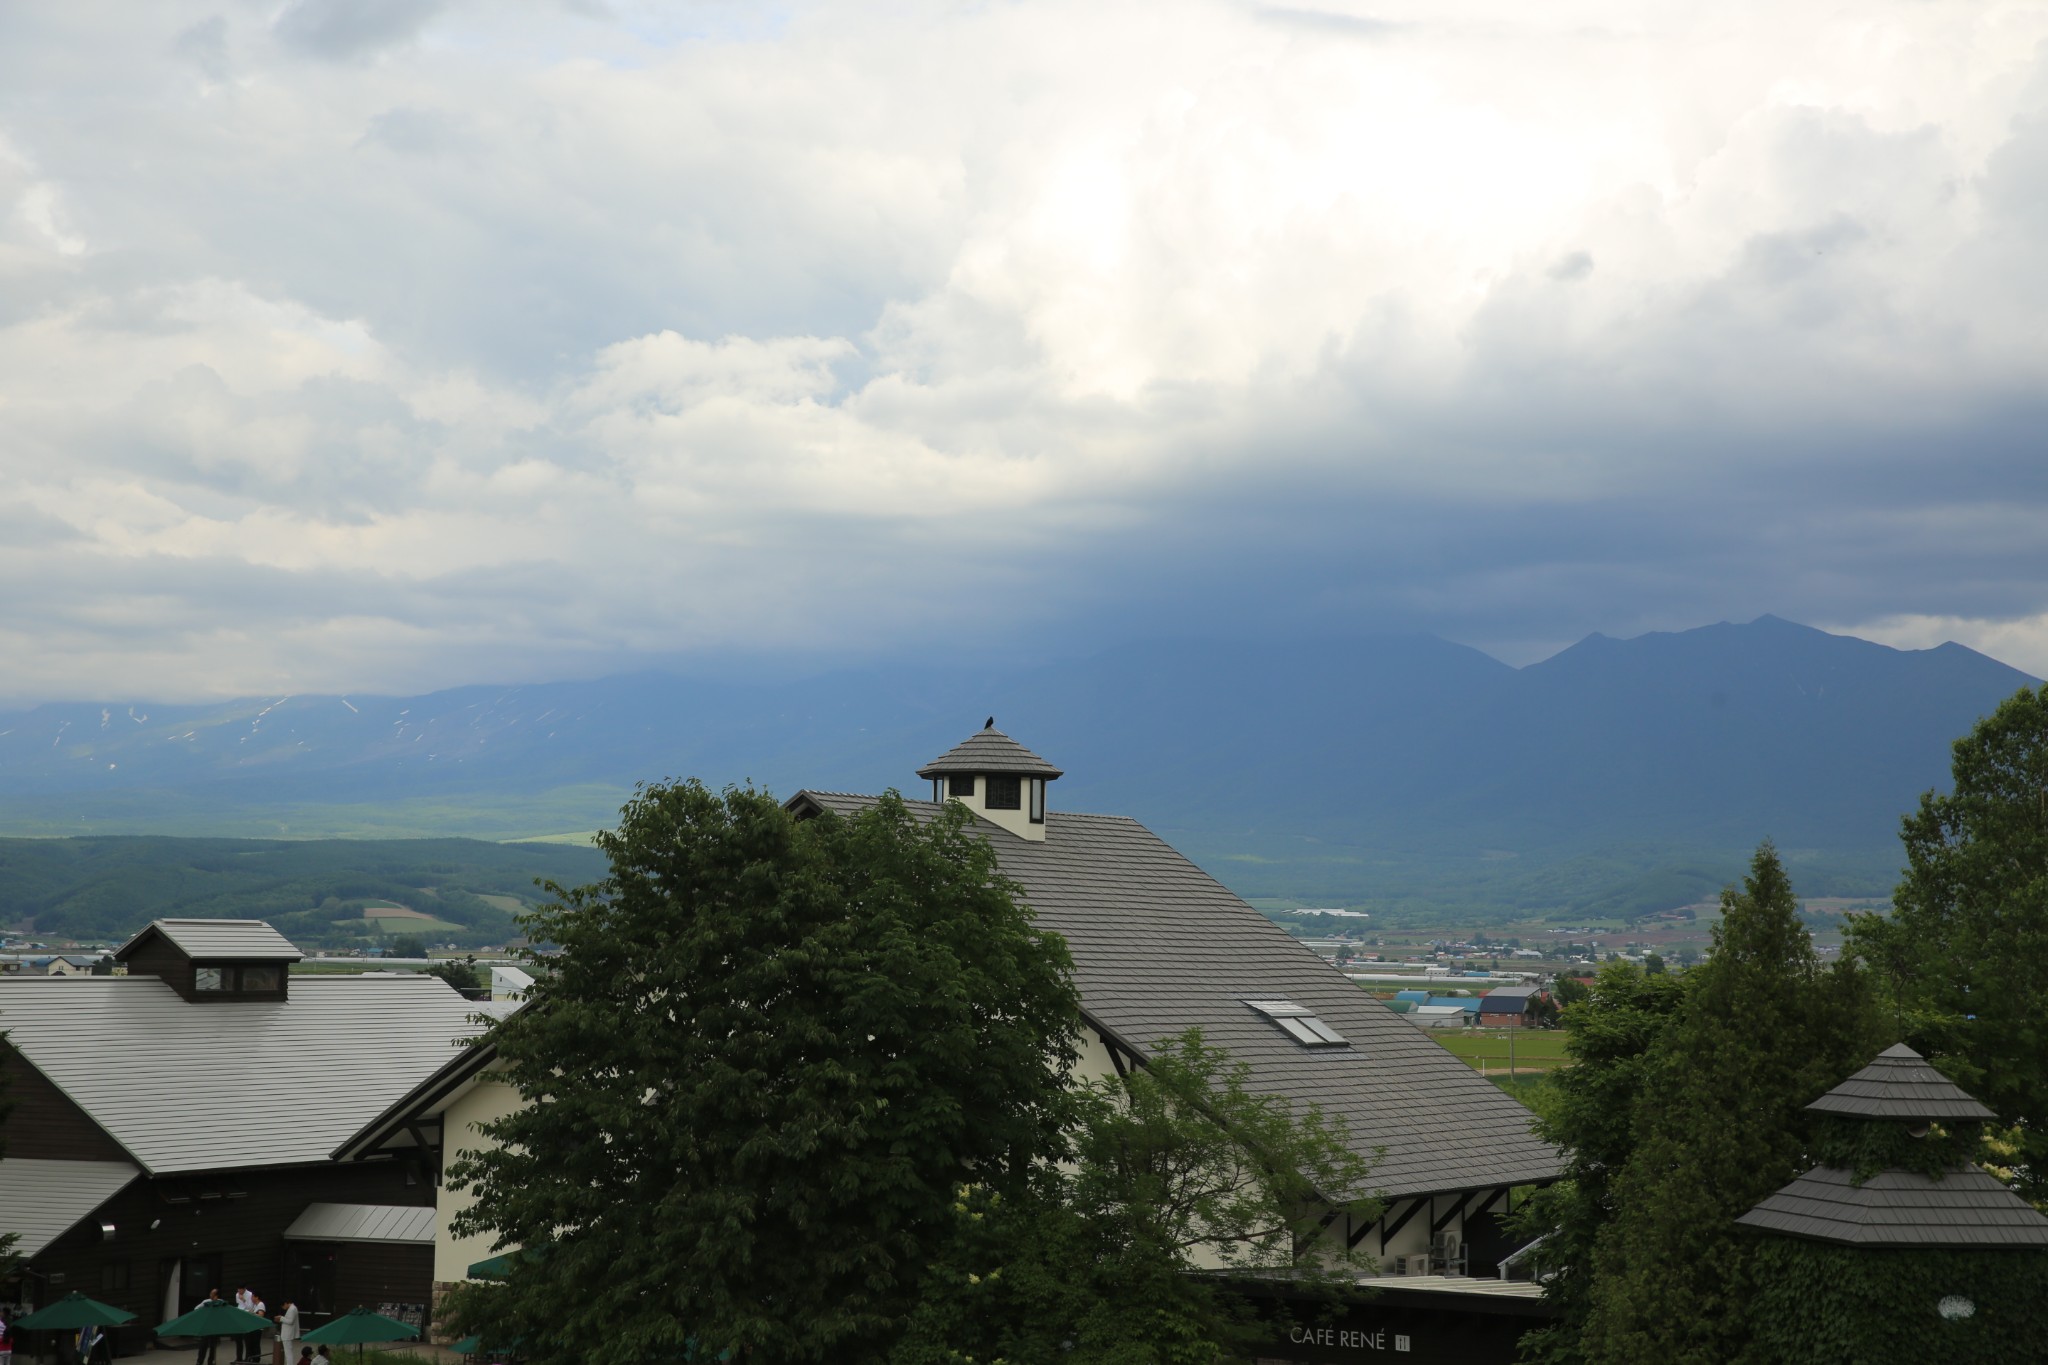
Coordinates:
[1719,1125]
[1589,1112]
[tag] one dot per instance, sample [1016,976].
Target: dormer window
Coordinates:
[237,979]
[1299,1023]
[1004,792]
[213,959]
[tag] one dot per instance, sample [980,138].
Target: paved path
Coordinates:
[185,1355]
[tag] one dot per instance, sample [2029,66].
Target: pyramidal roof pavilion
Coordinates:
[1966,1208]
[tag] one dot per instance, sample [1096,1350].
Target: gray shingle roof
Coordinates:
[363,1223]
[1900,1084]
[1159,947]
[242,940]
[196,1087]
[989,751]
[42,1200]
[1966,1208]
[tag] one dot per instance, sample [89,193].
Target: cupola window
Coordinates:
[1005,792]
[960,784]
[1299,1023]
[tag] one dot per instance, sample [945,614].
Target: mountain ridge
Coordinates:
[1344,755]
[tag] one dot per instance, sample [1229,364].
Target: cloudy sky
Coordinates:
[387,344]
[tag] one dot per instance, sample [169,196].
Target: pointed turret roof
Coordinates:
[1900,1084]
[989,750]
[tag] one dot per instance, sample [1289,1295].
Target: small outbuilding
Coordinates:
[1896,1246]
[1507,1007]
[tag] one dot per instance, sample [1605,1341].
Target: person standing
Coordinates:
[287,1332]
[207,1345]
[252,1342]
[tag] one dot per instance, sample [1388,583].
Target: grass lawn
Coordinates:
[1486,1050]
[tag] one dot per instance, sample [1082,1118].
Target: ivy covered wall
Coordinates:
[1833,1305]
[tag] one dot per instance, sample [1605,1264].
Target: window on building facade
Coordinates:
[1299,1023]
[209,979]
[960,784]
[260,979]
[1005,793]
[1037,800]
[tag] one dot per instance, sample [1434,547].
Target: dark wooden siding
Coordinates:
[155,956]
[45,1124]
[196,1217]
[367,1274]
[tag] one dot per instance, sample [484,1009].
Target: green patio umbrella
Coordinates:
[470,1345]
[72,1312]
[360,1326]
[214,1318]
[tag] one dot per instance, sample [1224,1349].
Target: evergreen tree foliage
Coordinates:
[768,1057]
[1589,1111]
[1718,1125]
[1178,1166]
[1964,953]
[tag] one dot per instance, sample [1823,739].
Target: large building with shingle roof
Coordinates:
[1160,947]
[171,1126]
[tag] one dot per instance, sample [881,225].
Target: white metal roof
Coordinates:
[186,1086]
[242,940]
[363,1223]
[40,1201]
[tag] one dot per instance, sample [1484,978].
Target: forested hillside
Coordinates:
[316,892]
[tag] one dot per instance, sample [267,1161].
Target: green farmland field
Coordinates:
[1486,1049]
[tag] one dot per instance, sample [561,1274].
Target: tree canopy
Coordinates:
[1962,956]
[1180,1165]
[768,1059]
[1589,1110]
[1685,1107]
[1719,1124]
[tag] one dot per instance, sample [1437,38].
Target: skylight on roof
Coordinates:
[1299,1023]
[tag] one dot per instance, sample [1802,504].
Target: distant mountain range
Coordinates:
[1338,769]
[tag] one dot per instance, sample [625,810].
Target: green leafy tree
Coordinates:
[1719,1124]
[768,1056]
[408,945]
[463,976]
[1589,1111]
[1963,954]
[1179,1166]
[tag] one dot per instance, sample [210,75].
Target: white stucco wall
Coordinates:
[1018,821]
[488,1099]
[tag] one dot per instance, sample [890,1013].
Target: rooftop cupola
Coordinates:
[995,777]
